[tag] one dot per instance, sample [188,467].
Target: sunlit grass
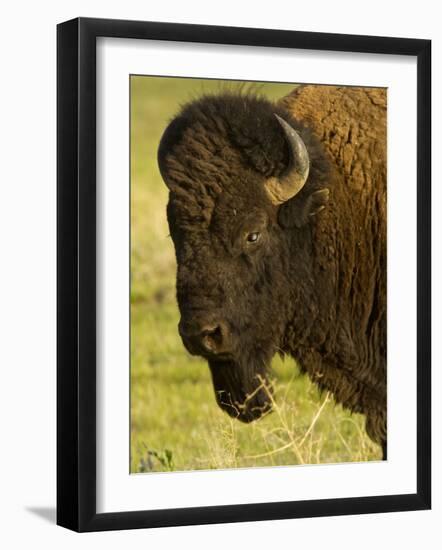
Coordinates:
[175,422]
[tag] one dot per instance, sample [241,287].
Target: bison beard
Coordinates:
[308,176]
[242,394]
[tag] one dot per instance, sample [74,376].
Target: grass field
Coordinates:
[175,422]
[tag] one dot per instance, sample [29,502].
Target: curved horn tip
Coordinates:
[289,130]
[292,181]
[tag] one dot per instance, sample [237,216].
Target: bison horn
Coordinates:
[292,181]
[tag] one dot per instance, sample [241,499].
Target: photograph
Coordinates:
[220,315]
[243,274]
[258,274]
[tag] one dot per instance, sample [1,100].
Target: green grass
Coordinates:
[175,422]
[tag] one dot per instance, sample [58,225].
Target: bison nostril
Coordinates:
[212,338]
[201,338]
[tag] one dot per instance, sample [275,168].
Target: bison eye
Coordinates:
[253,237]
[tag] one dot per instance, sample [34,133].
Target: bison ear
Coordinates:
[300,210]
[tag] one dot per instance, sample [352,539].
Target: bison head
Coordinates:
[233,164]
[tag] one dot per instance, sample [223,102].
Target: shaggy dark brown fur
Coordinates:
[314,284]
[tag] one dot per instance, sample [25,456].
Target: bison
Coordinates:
[277,212]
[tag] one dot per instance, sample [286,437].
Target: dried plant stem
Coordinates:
[315,419]
[287,429]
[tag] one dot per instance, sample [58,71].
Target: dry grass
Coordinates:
[297,445]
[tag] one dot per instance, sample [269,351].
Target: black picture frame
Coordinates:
[76,273]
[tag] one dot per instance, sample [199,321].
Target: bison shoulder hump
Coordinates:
[351,123]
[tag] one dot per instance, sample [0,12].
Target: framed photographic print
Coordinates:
[243,274]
